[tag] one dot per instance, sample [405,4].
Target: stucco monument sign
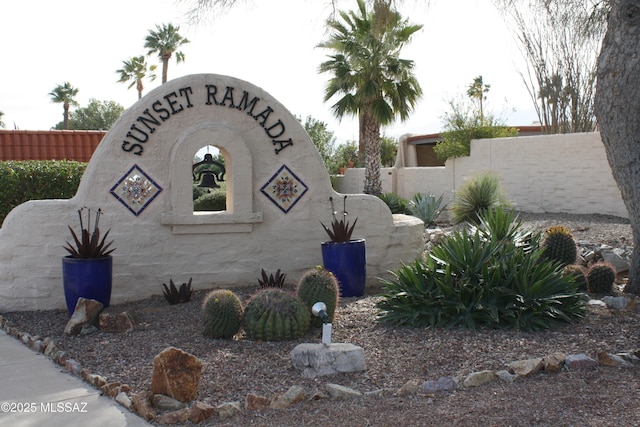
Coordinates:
[141,177]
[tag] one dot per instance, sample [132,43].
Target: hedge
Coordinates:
[21,181]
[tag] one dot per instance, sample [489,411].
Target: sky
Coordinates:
[271,44]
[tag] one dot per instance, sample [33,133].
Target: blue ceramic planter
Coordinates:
[87,278]
[348,262]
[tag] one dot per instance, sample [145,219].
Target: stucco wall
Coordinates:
[156,140]
[546,173]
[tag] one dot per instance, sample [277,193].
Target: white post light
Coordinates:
[319,309]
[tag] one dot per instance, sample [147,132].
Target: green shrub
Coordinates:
[396,203]
[216,200]
[426,207]
[199,191]
[21,181]
[477,195]
[457,143]
[474,278]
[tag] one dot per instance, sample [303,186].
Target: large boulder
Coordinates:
[176,374]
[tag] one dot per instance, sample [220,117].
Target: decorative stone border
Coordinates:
[140,403]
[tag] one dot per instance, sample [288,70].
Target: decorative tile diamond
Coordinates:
[135,190]
[284,189]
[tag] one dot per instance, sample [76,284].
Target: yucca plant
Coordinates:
[426,207]
[89,244]
[477,195]
[176,296]
[340,230]
[504,225]
[272,280]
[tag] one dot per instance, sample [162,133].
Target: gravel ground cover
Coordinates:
[602,396]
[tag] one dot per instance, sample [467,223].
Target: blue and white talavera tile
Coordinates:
[135,190]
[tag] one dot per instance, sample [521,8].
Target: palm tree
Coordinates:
[375,84]
[2,125]
[134,70]
[476,90]
[165,41]
[64,94]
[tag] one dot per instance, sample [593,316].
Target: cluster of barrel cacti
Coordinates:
[559,245]
[272,313]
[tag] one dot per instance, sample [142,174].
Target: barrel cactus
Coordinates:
[316,285]
[600,278]
[274,314]
[579,274]
[559,245]
[222,314]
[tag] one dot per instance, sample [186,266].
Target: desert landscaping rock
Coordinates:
[476,379]
[166,403]
[293,395]
[579,361]
[176,374]
[316,360]
[339,392]
[228,409]
[527,367]
[84,316]
[254,402]
[110,321]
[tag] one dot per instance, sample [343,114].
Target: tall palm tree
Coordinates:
[374,83]
[134,70]
[476,90]
[64,94]
[164,41]
[2,125]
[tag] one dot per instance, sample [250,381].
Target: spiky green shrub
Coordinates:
[273,280]
[426,207]
[559,245]
[579,275]
[214,201]
[474,279]
[275,315]
[175,295]
[600,278]
[222,314]
[503,225]
[396,203]
[475,196]
[318,285]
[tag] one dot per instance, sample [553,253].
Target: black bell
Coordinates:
[208,180]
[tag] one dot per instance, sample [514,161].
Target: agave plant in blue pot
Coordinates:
[344,256]
[87,270]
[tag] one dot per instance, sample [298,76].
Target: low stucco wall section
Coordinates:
[547,173]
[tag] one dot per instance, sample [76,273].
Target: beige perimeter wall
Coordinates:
[546,173]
